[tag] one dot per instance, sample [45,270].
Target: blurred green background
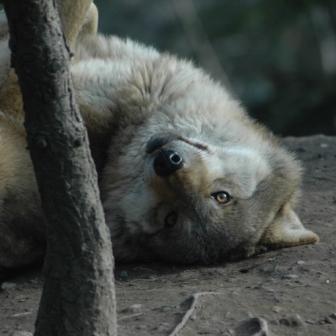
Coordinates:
[278,57]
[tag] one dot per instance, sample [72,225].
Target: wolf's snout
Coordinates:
[167,162]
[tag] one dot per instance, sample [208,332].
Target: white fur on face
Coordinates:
[136,205]
[239,169]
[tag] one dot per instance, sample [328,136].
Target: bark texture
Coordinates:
[78,295]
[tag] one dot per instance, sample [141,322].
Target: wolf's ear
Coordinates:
[90,24]
[287,230]
[73,14]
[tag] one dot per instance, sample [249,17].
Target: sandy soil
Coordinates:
[291,291]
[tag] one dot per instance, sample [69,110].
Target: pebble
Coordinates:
[193,317]
[269,290]
[21,298]
[292,321]
[22,314]
[310,322]
[8,285]
[22,333]
[277,309]
[165,309]
[257,325]
[328,320]
[133,309]
[290,276]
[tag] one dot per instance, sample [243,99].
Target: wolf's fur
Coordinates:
[129,95]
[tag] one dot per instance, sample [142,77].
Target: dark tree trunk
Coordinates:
[78,295]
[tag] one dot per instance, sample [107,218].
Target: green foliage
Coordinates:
[278,55]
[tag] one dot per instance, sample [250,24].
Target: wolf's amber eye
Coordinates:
[221,197]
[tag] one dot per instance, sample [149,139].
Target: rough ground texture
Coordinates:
[292,291]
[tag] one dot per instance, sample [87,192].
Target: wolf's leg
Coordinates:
[21,222]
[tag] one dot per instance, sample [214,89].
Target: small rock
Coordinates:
[324,145]
[22,314]
[22,333]
[300,262]
[133,309]
[292,321]
[252,327]
[290,276]
[333,316]
[310,322]
[277,309]
[269,289]
[8,285]
[328,320]
[193,317]
[165,309]
[21,298]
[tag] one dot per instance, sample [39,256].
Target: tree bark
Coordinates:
[78,296]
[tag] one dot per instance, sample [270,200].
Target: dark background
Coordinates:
[278,57]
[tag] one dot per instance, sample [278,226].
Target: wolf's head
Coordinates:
[190,177]
[197,202]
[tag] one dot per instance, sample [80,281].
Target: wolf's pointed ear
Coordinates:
[90,24]
[73,14]
[287,230]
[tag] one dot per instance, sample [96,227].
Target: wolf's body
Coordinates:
[144,104]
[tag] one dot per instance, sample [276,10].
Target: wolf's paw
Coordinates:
[287,230]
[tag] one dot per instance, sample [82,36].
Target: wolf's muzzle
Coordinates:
[167,162]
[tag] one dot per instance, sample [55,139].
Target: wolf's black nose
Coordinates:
[167,162]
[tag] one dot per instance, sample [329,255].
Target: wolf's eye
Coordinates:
[221,197]
[171,219]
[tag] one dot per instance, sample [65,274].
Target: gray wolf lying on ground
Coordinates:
[186,176]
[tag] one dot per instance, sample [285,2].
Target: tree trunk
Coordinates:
[78,295]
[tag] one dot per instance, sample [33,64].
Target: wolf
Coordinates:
[185,175]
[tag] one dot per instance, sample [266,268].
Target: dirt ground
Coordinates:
[291,291]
